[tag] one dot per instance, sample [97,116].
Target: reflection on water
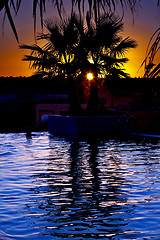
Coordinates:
[52,188]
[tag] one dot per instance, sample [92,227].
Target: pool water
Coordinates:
[53,188]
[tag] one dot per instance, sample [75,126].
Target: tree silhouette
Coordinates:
[102,46]
[101,51]
[76,47]
[56,56]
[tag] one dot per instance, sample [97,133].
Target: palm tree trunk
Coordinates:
[92,107]
[75,107]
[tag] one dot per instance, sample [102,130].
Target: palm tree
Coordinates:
[75,48]
[56,57]
[102,51]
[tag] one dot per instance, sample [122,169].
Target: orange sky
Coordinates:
[146,21]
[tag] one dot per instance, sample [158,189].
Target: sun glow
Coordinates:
[90,76]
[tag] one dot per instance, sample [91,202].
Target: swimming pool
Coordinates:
[53,188]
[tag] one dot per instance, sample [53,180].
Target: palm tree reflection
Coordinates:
[80,191]
[84,173]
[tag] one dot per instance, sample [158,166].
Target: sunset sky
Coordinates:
[146,21]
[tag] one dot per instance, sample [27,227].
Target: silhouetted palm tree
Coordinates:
[102,46]
[56,57]
[76,47]
[101,50]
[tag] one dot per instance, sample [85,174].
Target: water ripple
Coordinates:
[51,188]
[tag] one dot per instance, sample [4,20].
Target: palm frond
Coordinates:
[151,51]
[11,21]
[94,6]
[124,46]
[7,5]
[33,48]
[18,5]
[110,61]
[155,72]
[118,73]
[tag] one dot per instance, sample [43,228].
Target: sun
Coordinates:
[90,76]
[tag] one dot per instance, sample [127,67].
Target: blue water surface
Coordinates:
[53,188]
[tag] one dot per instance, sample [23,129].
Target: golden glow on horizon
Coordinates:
[11,63]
